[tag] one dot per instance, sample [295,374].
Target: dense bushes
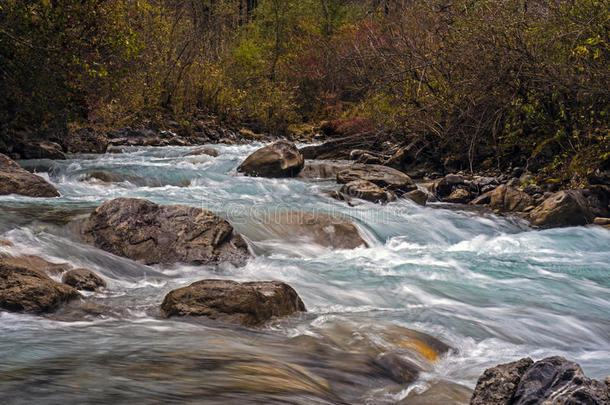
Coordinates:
[483,83]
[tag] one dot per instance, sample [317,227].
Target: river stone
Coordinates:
[25,288]
[83,279]
[281,159]
[417,196]
[557,381]
[204,151]
[114,149]
[144,231]
[41,150]
[383,176]
[497,384]
[368,191]
[458,196]
[506,199]
[564,208]
[447,184]
[249,304]
[320,170]
[16,180]
[322,229]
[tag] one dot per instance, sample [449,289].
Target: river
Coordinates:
[488,286]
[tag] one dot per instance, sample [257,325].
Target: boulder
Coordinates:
[597,221]
[383,176]
[564,208]
[368,191]
[16,180]
[83,279]
[447,184]
[204,151]
[84,140]
[497,384]
[249,304]
[557,381]
[151,233]
[550,381]
[25,288]
[366,156]
[37,263]
[417,196]
[458,196]
[41,150]
[294,226]
[483,199]
[507,199]
[320,170]
[281,159]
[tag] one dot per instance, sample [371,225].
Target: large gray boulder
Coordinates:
[152,233]
[250,304]
[550,381]
[16,180]
[383,176]
[564,208]
[281,159]
[24,287]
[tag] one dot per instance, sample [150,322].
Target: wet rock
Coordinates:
[552,381]
[366,156]
[596,221]
[383,176]
[564,208]
[397,368]
[507,199]
[557,381]
[445,186]
[151,233]
[498,384]
[114,149]
[368,191]
[322,229]
[281,159]
[320,170]
[25,288]
[40,150]
[439,392]
[83,279]
[204,151]
[16,180]
[37,263]
[249,304]
[458,196]
[417,196]
[483,199]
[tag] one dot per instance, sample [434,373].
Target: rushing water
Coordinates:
[488,286]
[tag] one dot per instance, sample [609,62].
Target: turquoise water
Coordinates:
[488,286]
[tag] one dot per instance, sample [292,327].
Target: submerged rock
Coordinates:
[564,208]
[151,233]
[16,180]
[26,288]
[249,304]
[508,199]
[368,191]
[552,381]
[322,229]
[383,176]
[83,279]
[281,159]
[204,151]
